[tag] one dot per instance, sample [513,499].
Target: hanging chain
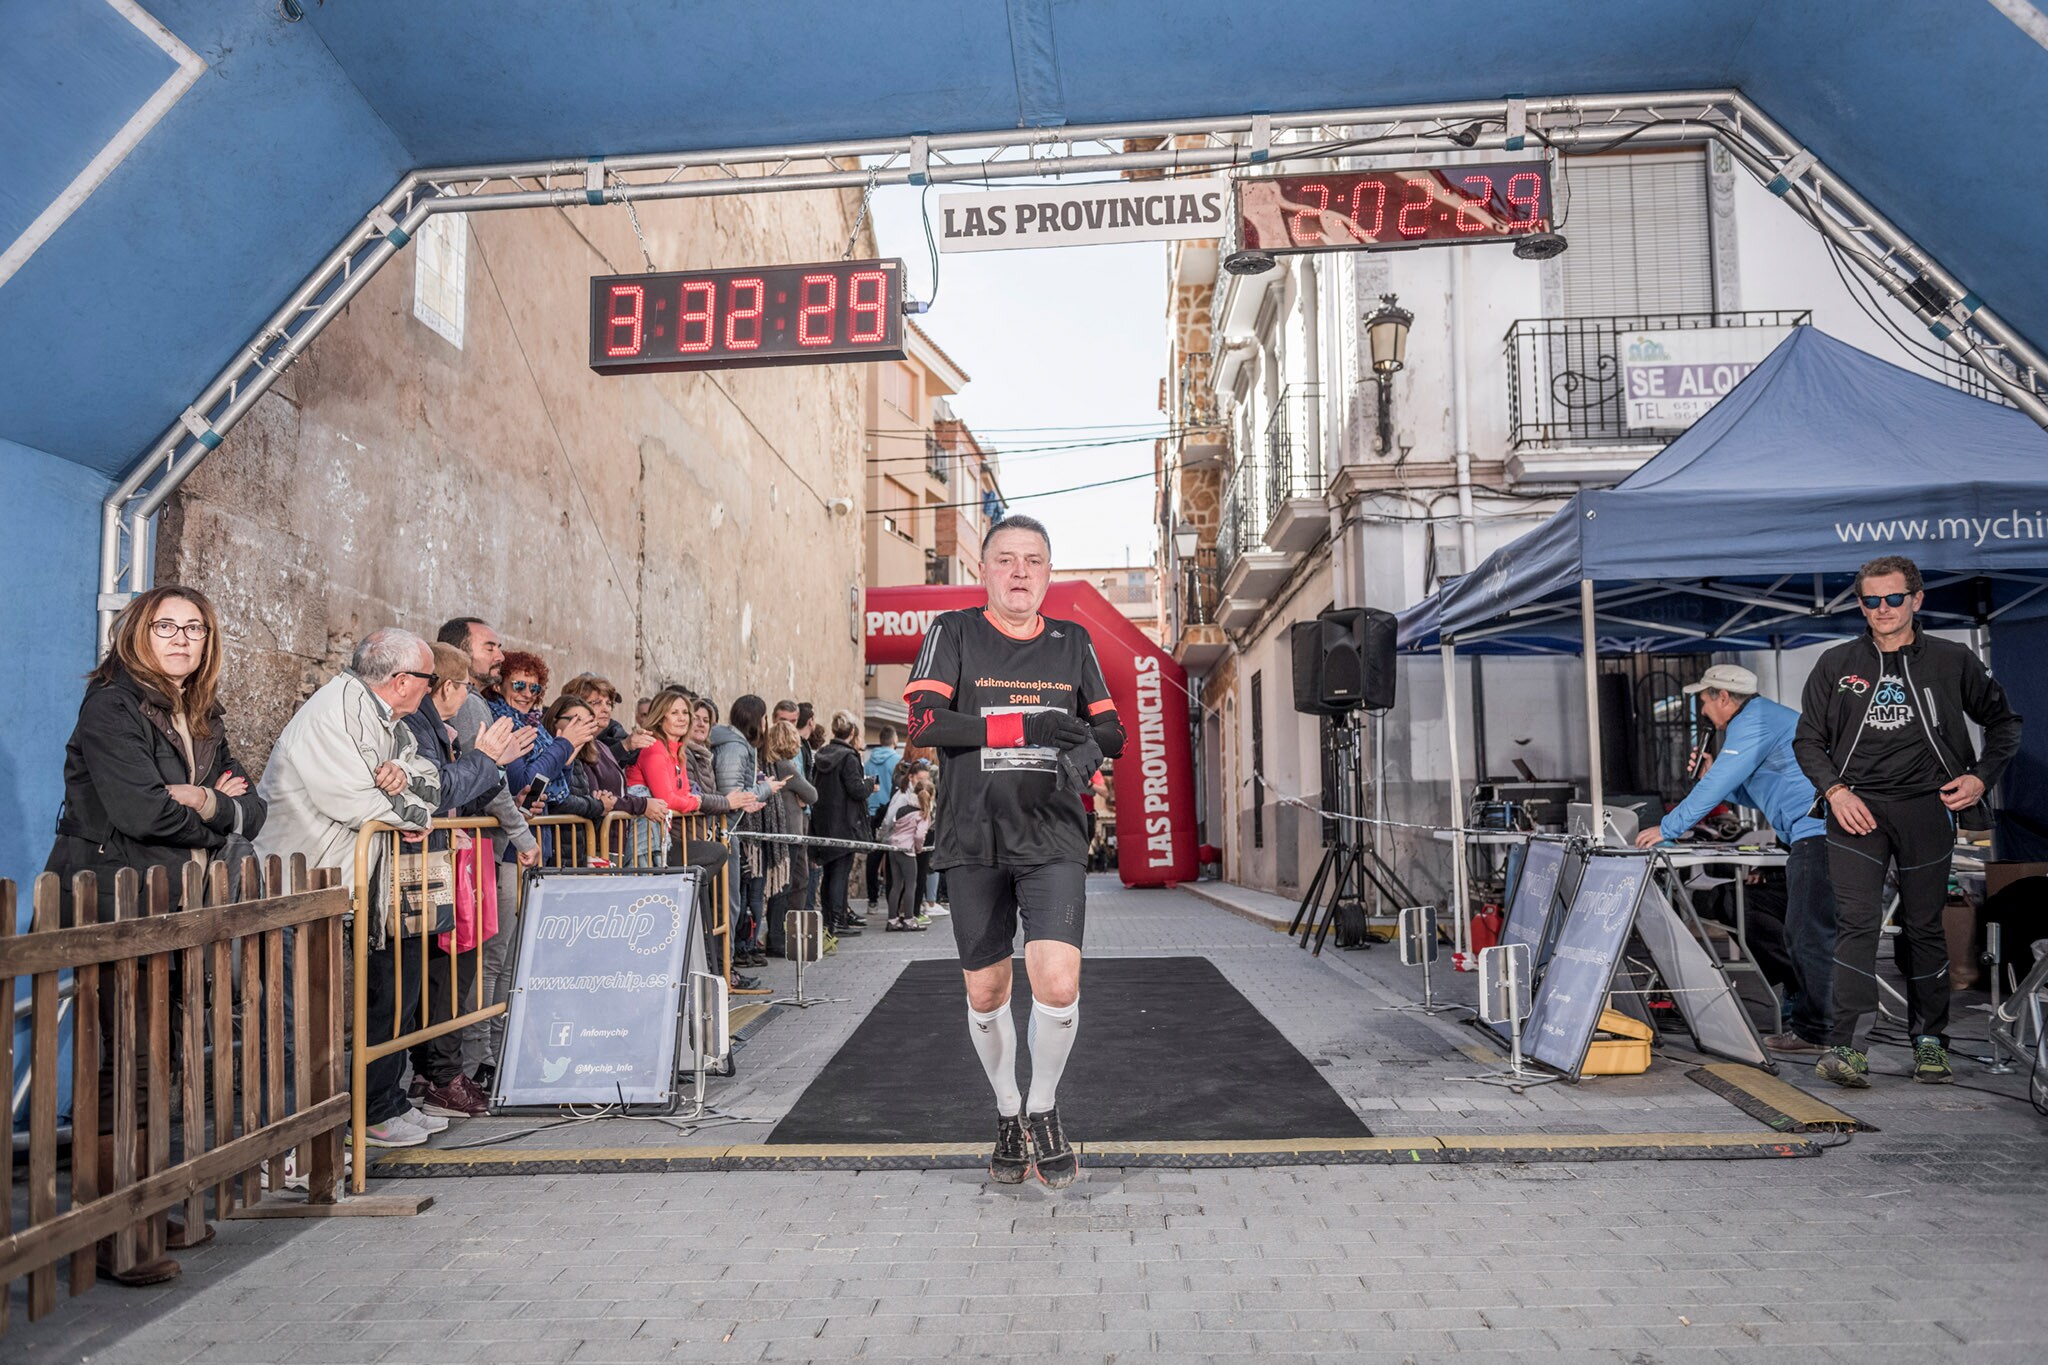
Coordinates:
[853,238]
[641,237]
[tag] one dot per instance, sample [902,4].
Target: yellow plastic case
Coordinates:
[1620,1047]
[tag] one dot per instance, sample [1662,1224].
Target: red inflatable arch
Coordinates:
[1155,805]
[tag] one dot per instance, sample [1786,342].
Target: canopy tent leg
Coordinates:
[1461,914]
[1589,647]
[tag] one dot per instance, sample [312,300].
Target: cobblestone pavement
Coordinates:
[1920,1242]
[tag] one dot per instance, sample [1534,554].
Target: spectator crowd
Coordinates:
[414,730]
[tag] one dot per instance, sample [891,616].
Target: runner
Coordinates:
[1016,703]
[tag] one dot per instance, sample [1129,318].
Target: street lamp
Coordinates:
[1386,331]
[1186,540]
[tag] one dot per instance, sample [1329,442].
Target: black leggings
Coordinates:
[903,885]
[1915,837]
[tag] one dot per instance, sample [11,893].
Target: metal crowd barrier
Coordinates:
[635,841]
[408,893]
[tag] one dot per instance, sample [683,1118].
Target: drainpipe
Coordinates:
[1468,539]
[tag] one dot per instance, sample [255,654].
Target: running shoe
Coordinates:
[938,908]
[1056,1163]
[1930,1061]
[1844,1066]
[831,943]
[396,1131]
[425,1122]
[1012,1159]
[921,922]
[452,1100]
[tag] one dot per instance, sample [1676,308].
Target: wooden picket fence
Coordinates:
[198,1063]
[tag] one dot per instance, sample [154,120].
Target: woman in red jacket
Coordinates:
[663,767]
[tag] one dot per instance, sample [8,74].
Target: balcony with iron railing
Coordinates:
[1565,385]
[1198,639]
[1251,568]
[1294,470]
[936,458]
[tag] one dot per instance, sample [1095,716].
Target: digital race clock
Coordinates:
[723,319]
[1414,206]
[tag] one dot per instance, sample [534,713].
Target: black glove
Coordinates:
[1078,766]
[1055,729]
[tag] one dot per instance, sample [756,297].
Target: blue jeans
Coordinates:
[1810,936]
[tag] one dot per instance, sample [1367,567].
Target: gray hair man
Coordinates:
[1016,704]
[344,761]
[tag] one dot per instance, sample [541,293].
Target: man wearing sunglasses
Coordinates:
[1884,738]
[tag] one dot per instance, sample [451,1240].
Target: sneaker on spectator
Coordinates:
[479,1099]
[831,942]
[922,921]
[427,1123]
[396,1131]
[417,1089]
[451,1100]
[937,908]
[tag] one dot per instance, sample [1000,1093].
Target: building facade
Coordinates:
[931,492]
[1286,488]
[444,450]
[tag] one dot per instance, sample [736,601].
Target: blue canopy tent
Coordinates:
[1745,532]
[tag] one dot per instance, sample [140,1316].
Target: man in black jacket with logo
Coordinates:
[1882,736]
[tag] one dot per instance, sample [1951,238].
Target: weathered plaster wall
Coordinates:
[651,528]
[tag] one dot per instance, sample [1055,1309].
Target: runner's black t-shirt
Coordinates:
[1893,758]
[1004,807]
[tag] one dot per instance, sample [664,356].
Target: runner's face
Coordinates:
[1886,620]
[1018,570]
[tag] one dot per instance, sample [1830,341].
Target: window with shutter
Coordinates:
[1639,233]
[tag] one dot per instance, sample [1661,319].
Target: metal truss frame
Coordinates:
[1950,310]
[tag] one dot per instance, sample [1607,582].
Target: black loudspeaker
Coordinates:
[1344,659]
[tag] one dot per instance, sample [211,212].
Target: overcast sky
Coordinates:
[1053,337]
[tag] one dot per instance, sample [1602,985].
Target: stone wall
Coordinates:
[650,528]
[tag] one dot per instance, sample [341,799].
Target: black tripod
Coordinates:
[1349,862]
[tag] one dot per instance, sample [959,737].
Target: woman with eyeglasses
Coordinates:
[149,781]
[540,778]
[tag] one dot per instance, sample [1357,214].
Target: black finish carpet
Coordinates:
[1168,1051]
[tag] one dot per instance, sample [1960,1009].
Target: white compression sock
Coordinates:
[995,1042]
[1052,1038]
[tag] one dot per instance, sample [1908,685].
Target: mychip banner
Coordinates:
[597,989]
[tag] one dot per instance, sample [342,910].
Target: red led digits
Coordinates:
[1415,203]
[1378,190]
[629,322]
[1304,225]
[819,307]
[736,316]
[1482,196]
[1532,202]
[876,309]
[702,317]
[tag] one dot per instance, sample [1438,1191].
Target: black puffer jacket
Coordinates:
[117,810]
[841,811]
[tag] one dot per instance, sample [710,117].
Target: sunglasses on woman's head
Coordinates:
[1890,599]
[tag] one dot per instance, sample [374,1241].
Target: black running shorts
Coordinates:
[987,902]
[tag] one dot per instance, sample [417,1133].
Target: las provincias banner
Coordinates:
[1155,779]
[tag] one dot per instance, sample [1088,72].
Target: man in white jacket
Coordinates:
[344,760]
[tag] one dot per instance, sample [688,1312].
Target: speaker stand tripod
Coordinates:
[1349,864]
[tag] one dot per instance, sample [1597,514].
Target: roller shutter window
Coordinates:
[1640,235]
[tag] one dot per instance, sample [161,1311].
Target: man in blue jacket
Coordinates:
[1756,768]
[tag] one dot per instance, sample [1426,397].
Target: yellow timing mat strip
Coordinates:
[1448,1149]
[1772,1101]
